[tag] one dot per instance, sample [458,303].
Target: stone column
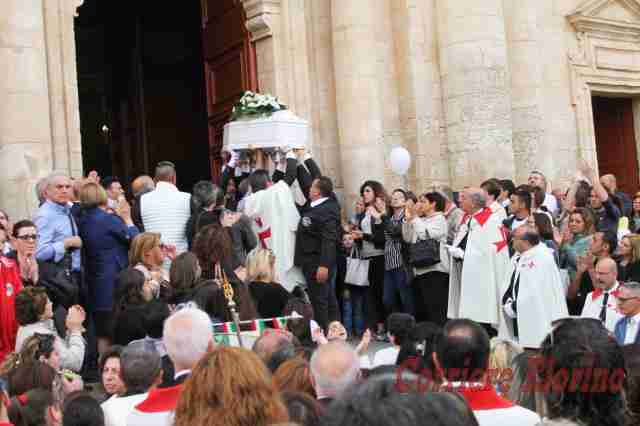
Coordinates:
[25,125]
[360,113]
[476,90]
[530,145]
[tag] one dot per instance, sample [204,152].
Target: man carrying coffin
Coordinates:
[273,209]
[481,260]
[532,293]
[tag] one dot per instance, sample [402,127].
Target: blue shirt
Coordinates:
[54,226]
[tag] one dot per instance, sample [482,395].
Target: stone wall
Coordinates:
[471,88]
[39,124]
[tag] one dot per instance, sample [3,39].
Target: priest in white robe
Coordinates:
[480,261]
[532,292]
[276,217]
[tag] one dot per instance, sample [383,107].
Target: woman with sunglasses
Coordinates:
[24,242]
[147,254]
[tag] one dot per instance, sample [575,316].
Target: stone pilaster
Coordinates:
[420,91]
[477,90]
[25,114]
[63,85]
[360,104]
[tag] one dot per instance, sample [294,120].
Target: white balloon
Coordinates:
[400,160]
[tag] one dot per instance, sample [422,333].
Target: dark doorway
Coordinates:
[142,88]
[615,141]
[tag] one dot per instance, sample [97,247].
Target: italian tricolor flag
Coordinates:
[279,323]
[229,327]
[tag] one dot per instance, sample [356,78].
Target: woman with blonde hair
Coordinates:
[269,296]
[106,238]
[501,357]
[232,387]
[147,255]
[629,251]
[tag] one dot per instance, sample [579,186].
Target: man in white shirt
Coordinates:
[398,326]
[187,337]
[628,302]
[461,359]
[601,303]
[166,210]
[141,370]
[537,178]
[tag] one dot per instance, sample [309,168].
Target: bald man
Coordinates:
[140,186]
[335,367]
[601,302]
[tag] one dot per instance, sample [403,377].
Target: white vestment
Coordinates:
[275,221]
[474,291]
[499,210]
[540,297]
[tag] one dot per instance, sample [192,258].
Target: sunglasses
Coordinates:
[27,237]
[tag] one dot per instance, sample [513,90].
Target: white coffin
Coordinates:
[282,128]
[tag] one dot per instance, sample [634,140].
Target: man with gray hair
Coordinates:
[628,302]
[335,366]
[141,371]
[480,261]
[452,213]
[166,210]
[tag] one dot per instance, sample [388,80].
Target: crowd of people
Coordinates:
[496,305]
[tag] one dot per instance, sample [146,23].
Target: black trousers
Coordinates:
[432,297]
[376,312]
[322,296]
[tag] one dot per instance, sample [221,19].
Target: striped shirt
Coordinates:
[393,244]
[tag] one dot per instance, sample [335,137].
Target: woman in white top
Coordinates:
[34,313]
[426,220]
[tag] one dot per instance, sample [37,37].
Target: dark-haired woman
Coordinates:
[370,237]
[212,246]
[34,312]
[426,220]
[132,293]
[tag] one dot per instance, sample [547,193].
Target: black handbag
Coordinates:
[424,253]
[59,282]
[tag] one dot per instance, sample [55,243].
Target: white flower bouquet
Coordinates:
[255,105]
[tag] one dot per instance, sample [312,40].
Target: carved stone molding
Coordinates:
[604,61]
[260,17]
[610,19]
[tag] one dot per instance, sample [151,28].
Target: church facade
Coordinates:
[473,89]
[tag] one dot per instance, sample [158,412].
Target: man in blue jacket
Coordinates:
[628,300]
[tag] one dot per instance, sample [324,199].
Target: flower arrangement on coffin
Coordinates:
[255,105]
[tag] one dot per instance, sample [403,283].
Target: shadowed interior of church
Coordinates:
[151,89]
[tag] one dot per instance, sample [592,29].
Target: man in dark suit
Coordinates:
[628,301]
[316,248]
